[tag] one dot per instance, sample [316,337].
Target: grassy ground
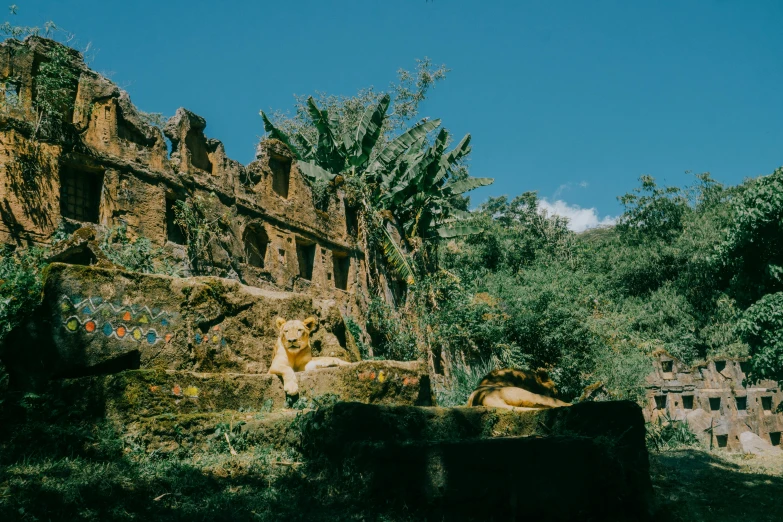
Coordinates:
[52,471]
[697,485]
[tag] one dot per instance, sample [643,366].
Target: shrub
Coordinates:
[20,285]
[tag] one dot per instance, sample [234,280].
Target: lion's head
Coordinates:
[295,335]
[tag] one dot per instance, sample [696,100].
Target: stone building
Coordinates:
[715,400]
[108,167]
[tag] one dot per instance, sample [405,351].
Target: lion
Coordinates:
[516,390]
[293,353]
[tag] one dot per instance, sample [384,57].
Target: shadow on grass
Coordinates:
[695,485]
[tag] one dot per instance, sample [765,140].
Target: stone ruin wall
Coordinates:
[715,400]
[112,168]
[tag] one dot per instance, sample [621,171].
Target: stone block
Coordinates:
[755,445]
[371,382]
[584,462]
[148,393]
[97,321]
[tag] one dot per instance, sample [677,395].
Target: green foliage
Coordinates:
[652,212]
[752,253]
[461,381]
[55,91]
[592,308]
[401,179]
[137,256]
[392,332]
[228,437]
[355,331]
[761,327]
[668,434]
[20,286]
[203,227]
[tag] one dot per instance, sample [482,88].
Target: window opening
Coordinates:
[80,194]
[687,402]
[766,403]
[305,254]
[281,174]
[720,365]
[256,241]
[351,220]
[742,403]
[11,93]
[667,366]
[174,232]
[715,403]
[342,266]
[660,401]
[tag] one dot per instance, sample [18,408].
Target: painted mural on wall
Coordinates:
[133,323]
[212,336]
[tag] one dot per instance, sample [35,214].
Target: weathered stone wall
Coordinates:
[715,400]
[121,172]
[102,321]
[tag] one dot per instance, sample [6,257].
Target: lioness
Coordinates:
[516,390]
[293,352]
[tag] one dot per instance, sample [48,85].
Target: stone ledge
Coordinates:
[371,382]
[145,393]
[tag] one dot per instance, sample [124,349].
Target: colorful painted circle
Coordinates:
[151,337]
[89,326]
[121,332]
[72,324]
[107,329]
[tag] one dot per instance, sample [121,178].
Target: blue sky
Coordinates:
[575,99]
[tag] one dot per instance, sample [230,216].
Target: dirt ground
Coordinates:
[697,485]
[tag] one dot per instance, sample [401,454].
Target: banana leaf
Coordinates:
[397,258]
[465,185]
[368,131]
[313,171]
[449,231]
[402,143]
[277,134]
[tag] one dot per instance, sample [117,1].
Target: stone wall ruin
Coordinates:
[112,168]
[715,400]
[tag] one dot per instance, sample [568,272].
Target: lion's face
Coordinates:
[295,335]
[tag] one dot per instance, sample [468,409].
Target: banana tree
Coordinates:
[412,193]
[331,154]
[423,193]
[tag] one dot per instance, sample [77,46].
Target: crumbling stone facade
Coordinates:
[110,167]
[715,400]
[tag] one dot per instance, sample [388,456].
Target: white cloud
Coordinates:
[568,186]
[579,219]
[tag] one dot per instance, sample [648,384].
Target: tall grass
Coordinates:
[462,379]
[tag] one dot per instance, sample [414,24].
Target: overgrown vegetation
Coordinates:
[677,273]
[203,227]
[137,255]
[668,434]
[407,187]
[20,286]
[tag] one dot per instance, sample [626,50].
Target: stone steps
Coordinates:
[147,393]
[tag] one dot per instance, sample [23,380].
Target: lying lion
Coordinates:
[293,353]
[516,390]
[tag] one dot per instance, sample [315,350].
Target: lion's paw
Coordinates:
[291,388]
